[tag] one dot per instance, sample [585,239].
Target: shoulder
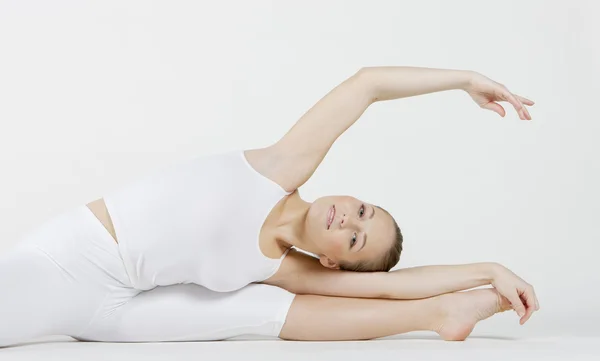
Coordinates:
[273,165]
[294,269]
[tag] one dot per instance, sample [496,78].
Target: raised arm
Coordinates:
[295,157]
[303,274]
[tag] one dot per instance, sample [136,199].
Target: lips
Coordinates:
[330,216]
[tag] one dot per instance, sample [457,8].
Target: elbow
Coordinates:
[363,79]
[365,69]
[362,74]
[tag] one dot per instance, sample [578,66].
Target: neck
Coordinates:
[289,224]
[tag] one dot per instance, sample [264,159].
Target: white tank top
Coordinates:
[196,221]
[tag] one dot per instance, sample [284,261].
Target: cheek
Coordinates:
[332,245]
[335,246]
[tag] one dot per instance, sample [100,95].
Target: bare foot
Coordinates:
[462,310]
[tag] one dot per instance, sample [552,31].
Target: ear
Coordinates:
[327,262]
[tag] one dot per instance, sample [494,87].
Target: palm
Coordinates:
[487,93]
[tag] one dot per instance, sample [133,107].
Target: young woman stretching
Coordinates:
[200,250]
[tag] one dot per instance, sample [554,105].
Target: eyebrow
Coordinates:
[371,217]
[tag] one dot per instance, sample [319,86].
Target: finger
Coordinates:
[529,302]
[529,305]
[526,111]
[524,100]
[495,107]
[509,97]
[517,305]
[520,108]
[537,303]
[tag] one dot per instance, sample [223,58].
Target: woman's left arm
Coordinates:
[295,157]
[393,82]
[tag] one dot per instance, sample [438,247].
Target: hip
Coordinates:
[77,243]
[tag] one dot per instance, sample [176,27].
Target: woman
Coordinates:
[200,250]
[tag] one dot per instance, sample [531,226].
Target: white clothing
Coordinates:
[196,221]
[67,277]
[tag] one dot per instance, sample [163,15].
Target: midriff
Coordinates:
[98,208]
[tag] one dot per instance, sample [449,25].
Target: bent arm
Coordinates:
[297,155]
[302,274]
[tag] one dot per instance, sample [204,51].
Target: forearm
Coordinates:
[305,275]
[405,284]
[428,281]
[393,82]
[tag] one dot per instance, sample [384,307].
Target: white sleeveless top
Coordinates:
[196,221]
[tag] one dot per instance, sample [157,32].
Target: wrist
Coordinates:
[491,271]
[465,79]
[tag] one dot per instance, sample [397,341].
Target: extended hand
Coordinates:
[486,93]
[520,293]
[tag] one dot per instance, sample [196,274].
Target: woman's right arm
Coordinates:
[303,274]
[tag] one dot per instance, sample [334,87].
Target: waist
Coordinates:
[98,208]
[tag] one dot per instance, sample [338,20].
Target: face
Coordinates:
[358,232]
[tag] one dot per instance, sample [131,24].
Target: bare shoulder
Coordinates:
[298,261]
[293,269]
[279,164]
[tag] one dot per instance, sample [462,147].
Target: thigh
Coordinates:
[58,278]
[189,312]
[40,298]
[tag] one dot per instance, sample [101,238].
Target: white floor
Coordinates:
[389,349]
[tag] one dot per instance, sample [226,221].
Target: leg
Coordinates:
[193,313]
[58,278]
[453,316]
[36,298]
[188,312]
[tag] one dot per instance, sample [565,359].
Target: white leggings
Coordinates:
[67,277]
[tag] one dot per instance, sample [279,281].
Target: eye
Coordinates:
[362,207]
[353,241]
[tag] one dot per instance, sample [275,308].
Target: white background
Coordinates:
[95,93]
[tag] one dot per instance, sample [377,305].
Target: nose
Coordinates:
[345,221]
